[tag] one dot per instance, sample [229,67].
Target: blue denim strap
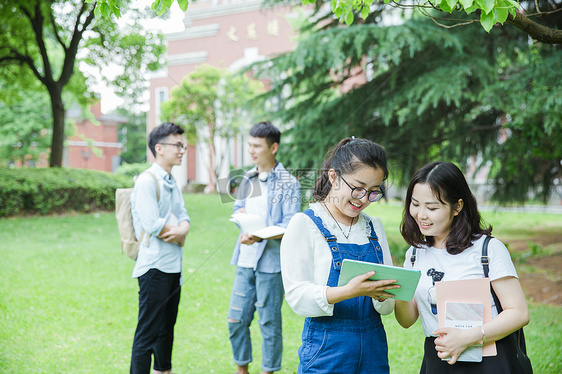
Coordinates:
[330,239]
[373,239]
[373,234]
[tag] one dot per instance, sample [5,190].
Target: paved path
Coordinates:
[553,209]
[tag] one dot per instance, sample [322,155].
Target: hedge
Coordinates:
[132,170]
[57,190]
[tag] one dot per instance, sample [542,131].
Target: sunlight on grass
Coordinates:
[68,302]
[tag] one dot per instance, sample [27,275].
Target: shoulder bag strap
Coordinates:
[157,199]
[155,183]
[517,337]
[413,258]
[485,261]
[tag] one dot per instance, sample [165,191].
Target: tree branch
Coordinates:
[16,56]
[434,19]
[36,21]
[544,13]
[522,21]
[54,24]
[406,6]
[70,55]
[485,128]
[536,31]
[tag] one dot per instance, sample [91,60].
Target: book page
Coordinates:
[248,223]
[466,316]
[270,232]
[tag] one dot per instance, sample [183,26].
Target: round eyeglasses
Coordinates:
[359,192]
[181,147]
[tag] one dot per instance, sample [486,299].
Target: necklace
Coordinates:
[337,223]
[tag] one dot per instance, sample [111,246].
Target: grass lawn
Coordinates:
[68,302]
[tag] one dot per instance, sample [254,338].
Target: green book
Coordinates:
[407,278]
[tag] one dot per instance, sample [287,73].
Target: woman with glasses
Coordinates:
[342,332]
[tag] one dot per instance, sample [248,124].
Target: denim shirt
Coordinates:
[150,215]
[283,201]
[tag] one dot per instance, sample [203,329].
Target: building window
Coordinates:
[161,94]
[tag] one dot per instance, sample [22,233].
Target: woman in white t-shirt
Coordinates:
[442,224]
[343,331]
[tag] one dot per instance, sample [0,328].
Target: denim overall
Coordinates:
[353,340]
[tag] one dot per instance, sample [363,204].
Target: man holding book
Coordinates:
[271,192]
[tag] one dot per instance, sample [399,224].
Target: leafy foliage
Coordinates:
[133,136]
[212,103]
[107,8]
[487,12]
[132,170]
[214,99]
[57,190]
[24,131]
[130,46]
[425,93]
[531,155]
[44,41]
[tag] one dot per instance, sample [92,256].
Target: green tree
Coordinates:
[26,119]
[34,33]
[485,12]
[211,103]
[426,93]
[24,128]
[132,135]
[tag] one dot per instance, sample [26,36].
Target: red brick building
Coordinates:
[225,34]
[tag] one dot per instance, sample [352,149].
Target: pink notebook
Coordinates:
[466,291]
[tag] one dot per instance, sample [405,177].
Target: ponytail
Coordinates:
[346,157]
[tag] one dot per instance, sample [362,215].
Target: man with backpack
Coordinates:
[161,224]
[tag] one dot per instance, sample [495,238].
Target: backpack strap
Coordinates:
[485,260]
[156,184]
[517,337]
[157,199]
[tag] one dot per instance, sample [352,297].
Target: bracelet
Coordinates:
[483,335]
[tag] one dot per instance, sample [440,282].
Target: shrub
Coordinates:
[57,190]
[131,170]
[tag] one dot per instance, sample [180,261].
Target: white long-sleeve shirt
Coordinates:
[306,260]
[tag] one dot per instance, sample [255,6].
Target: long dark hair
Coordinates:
[346,157]
[449,185]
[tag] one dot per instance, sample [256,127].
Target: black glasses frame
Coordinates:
[377,194]
[179,146]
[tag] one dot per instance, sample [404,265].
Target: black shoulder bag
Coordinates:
[517,338]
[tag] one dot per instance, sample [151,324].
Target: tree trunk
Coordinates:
[57,142]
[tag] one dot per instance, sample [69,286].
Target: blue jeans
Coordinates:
[159,297]
[253,290]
